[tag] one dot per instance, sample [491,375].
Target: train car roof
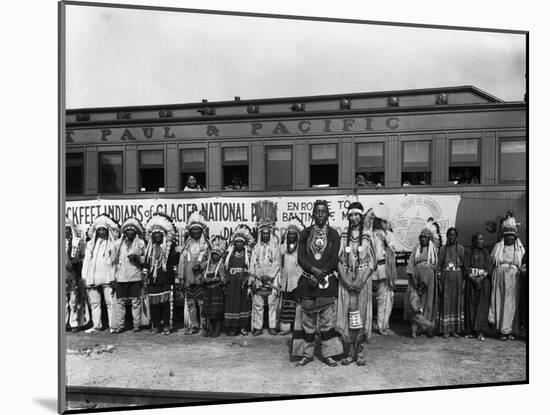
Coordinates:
[474,94]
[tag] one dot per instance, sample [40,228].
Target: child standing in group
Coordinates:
[214,279]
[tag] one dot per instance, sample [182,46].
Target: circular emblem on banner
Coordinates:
[411,216]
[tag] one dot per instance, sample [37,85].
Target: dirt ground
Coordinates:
[262,364]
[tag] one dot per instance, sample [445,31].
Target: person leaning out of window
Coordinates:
[192,185]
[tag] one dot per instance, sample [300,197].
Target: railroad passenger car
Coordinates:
[455,153]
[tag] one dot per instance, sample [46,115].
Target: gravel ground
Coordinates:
[262,364]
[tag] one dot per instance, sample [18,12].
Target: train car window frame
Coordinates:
[413,170]
[194,169]
[82,152]
[324,162]
[501,141]
[475,165]
[289,186]
[362,170]
[237,163]
[141,167]
[99,181]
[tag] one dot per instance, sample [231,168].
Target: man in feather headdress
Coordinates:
[193,258]
[129,260]
[385,274]
[421,305]
[77,306]
[161,260]
[290,274]
[507,256]
[318,256]
[98,270]
[265,267]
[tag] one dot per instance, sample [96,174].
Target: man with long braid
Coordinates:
[318,256]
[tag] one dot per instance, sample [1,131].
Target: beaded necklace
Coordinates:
[318,241]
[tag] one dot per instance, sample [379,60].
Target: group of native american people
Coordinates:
[311,281]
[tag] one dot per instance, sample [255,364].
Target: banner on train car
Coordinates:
[408,212]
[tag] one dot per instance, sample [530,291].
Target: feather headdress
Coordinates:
[431,230]
[218,244]
[266,212]
[113,232]
[160,222]
[74,229]
[243,233]
[381,211]
[196,219]
[104,221]
[295,225]
[75,238]
[508,225]
[133,223]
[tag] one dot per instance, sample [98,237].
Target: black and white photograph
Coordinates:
[262,207]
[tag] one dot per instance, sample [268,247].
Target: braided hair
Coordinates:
[358,206]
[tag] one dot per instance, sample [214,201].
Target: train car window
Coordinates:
[513,161]
[369,165]
[192,169]
[235,168]
[278,162]
[323,165]
[74,173]
[464,166]
[110,172]
[417,170]
[151,170]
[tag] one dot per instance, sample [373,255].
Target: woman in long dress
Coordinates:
[478,266]
[354,313]
[421,297]
[507,256]
[451,286]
